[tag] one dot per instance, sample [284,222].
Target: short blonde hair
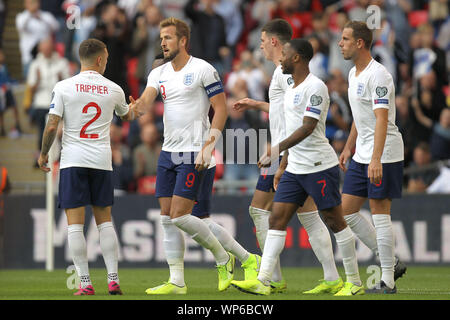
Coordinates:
[182,28]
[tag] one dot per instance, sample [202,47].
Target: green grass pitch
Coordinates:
[419,283]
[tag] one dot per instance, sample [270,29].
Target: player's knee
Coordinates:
[278,221]
[335,222]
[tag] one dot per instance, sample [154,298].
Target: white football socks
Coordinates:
[385,241]
[346,243]
[364,230]
[320,241]
[199,231]
[272,248]
[173,243]
[110,249]
[261,220]
[227,241]
[78,251]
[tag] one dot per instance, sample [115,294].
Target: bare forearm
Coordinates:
[284,160]
[48,138]
[299,135]
[351,140]
[379,138]
[217,125]
[50,131]
[263,106]
[219,119]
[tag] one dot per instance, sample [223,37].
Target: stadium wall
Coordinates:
[421,224]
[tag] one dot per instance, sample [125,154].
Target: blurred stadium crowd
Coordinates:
[413,42]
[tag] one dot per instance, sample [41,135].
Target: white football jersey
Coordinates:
[278,86]
[310,98]
[374,88]
[186,94]
[86,103]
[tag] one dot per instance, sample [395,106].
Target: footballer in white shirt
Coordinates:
[376,169]
[312,170]
[274,35]
[86,103]
[188,87]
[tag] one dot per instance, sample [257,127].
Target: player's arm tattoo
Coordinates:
[300,134]
[51,128]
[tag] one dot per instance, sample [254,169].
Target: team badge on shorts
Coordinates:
[188,79]
[381,91]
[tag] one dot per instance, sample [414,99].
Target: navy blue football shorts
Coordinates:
[357,183]
[265,180]
[322,186]
[79,187]
[202,205]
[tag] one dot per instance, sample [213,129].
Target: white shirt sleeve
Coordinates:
[153,78]
[21,20]
[121,107]
[318,101]
[32,74]
[211,80]
[57,104]
[50,20]
[382,87]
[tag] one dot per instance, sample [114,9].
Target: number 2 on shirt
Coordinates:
[83,133]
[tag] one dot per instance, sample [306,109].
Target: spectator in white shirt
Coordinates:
[33,25]
[44,72]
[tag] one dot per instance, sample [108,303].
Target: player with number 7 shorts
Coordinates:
[311,169]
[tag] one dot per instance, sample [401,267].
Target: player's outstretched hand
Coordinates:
[244,104]
[343,158]
[137,106]
[42,161]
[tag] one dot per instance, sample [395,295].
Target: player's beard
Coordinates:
[172,55]
[287,68]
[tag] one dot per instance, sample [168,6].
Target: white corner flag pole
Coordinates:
[49,261]
[50,206]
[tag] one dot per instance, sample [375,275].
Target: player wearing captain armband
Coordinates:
[188,87]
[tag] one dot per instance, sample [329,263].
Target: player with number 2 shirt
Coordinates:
[86,103]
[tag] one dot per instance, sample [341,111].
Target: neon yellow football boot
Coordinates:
[326,287]
[278,287]
[226,273]
[349,289]
[167,288]
[253,286]
[251,266]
